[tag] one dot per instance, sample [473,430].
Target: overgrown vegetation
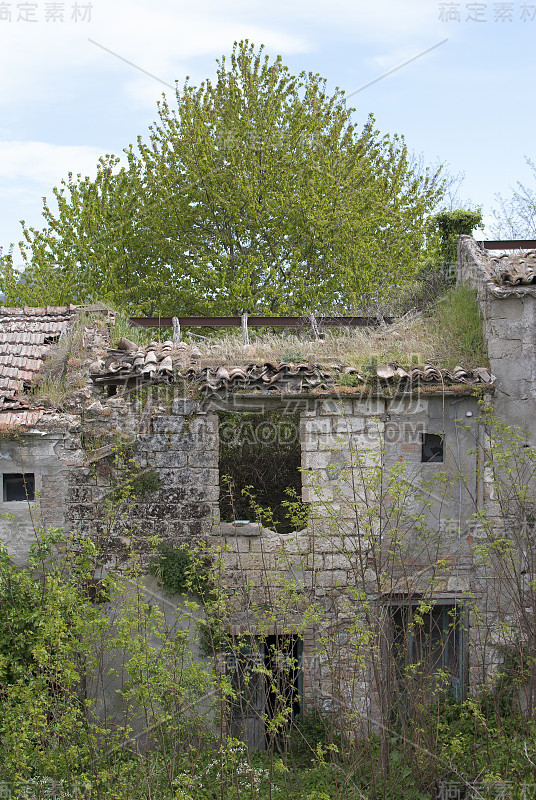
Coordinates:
[453,224]
[459,323]
[448,333]
[301,209]
[59,730]
[182,570]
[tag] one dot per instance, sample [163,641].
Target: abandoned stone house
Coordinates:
[338,439]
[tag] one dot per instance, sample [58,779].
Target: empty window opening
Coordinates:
[260,469]
[427,649]
[266,677]
[19,487]
[432,448]
[111,390]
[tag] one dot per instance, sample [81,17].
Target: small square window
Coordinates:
[432,448]
[19,487]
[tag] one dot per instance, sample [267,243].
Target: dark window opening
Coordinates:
[266,677]
[53,338]
[427,649]
[260,469]
[19,487]
[432,448]
[111,390]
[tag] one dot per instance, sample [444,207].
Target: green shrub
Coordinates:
[182,570]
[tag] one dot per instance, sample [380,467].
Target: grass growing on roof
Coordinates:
[140,336]
[447,334]
[459,325]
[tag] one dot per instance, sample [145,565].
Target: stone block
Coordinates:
[232,529]
[172,458]
[184,406]
[236,544]
[168,424]
[337,442]
[330,578]
[293,544]
[80,510]
[338,561]
[335,406]
[369,407]
[316,460]
[152,442]
[186,441]
[347,425]
[321,544]
[202,426]
[251,562]
[191,511]
[157,511]
[76,494]
[402,406]
[203,458]
[318,425]
[81,477]
[315,491]
[505,348]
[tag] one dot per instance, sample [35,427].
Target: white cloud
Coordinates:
[44,163]
[165,38]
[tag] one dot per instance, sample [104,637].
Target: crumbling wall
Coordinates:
[509,318]
[327,580]
[48,450]
[177,450]
[349,445]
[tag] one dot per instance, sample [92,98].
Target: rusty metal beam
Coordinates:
[509,244]
[268,322]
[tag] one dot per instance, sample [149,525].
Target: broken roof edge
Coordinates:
[501,276]
[304,379]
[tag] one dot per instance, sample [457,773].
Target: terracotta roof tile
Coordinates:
[165,364]
[22,342]
[514,269]
[23,417]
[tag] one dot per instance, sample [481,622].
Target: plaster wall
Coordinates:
[49,451]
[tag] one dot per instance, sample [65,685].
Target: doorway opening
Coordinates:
[266,677]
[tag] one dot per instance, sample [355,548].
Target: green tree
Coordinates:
[256,192]
[451,225]
[515,217]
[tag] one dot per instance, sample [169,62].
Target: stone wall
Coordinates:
[337,565]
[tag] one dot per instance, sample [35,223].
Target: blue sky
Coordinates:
[468,102]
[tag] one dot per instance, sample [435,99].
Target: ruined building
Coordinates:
[386,467]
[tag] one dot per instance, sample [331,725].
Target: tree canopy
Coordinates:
[254,192]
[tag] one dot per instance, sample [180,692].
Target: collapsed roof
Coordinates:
[26,337]
[166,362]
